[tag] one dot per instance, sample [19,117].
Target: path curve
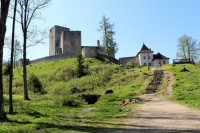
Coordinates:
[159,114]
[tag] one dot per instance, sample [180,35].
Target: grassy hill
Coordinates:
[186,88]
[47,112]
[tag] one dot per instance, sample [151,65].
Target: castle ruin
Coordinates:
[65,42]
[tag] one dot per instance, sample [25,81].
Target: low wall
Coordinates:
[65,56]
[125,60]
[89,52]
[51,58]
[109,58]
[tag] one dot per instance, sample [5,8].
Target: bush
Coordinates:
[35,84]
[130,65]
[7,69]
[80,69]
[70,101]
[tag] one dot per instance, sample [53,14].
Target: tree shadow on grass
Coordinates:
[127,128]
[36,114]
[93,129]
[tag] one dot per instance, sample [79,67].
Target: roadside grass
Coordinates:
[46,112]
[186,88]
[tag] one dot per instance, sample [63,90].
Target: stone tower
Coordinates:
[64,41]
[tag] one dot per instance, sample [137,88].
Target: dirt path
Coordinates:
[170,82]
[161,115]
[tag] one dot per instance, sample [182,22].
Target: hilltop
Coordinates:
[60,107]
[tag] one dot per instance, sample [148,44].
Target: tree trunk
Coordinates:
[108,52]
[24,51]
[24,69]
[2,112]
[11,61]
[3,17]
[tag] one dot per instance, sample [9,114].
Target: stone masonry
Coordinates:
[64,41]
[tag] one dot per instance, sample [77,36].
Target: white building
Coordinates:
[145,57]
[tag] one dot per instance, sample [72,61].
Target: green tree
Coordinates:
[107,29]
[3,18]
[80,68]
[35,84]
[187,48]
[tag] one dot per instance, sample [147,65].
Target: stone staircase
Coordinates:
[153,85]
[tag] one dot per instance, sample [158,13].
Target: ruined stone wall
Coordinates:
[109,58]
[102,52]
[94,51]
[52,58]
[70,42]
[89,52]
[54,40]
[125,60]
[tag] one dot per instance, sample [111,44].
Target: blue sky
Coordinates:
[157,23]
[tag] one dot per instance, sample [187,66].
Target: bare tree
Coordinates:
[17,49]
[12,59]
[187,48]
[3,17]
[17,52]
[28,11]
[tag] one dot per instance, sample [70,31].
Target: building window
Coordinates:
[145,64]
[144,57]
[164,62]
[160,62]
[149,57]
[149,64]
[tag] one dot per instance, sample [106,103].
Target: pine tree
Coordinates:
[109,45]
[80,70]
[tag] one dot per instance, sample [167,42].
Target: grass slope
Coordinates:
[186,88]
[46,113]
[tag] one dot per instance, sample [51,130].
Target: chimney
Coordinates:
[98,43]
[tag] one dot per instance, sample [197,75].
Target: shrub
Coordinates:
[7,69]
[35,84]
[80,69]
[130,65]
[70,101]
